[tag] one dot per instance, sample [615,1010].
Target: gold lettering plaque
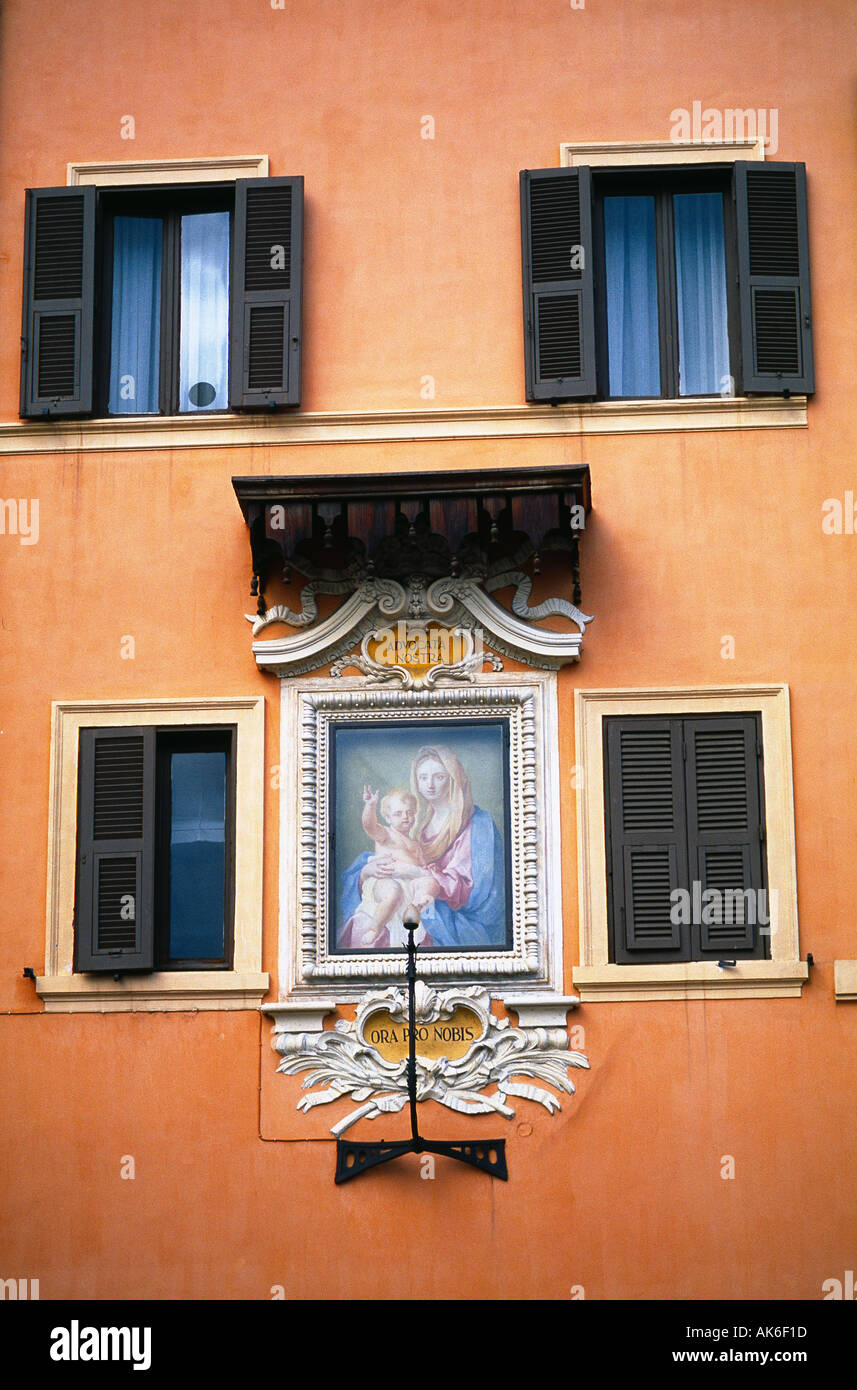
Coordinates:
[447,1037]
[419,646]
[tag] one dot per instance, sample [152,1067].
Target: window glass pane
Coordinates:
[197,855]
[632,297]
[204,311]
[135,328]
[700,264]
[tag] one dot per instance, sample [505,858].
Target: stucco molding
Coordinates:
[542,1010]
[281,430]
[622,153]
[132,172]
[378,602]
[345,1063]
[845,980]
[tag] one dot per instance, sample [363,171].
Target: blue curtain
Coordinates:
[632,297]
[136,319]
[700,263]
[204,311]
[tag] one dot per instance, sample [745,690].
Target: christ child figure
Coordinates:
[395,877]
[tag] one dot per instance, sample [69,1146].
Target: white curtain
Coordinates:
[700,264]
[204,311]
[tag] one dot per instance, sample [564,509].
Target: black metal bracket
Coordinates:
[489,1156]
[353,1158]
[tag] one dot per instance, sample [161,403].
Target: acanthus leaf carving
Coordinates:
[345,1064]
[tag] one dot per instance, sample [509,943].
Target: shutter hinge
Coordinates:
[761,834]
[684,749]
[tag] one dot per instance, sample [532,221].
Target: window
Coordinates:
[155,856]
[666,282]
[166,297]
[163,299]
[686,844]
[685,838]
[155,847]
[663,313]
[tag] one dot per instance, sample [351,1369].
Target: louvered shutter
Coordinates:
[725,831]
[114,917]
[58,304]
[773,274]
[267,268]
[648,837]
[558,279]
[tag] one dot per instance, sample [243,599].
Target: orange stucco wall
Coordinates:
[412,268]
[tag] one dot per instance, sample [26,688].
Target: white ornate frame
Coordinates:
[308,967]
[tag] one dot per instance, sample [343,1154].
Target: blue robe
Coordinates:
[482,921]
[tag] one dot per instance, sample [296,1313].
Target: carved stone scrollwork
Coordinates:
[374,603]
[344,1063]
[521,600]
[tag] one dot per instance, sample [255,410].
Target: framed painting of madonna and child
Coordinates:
[420,817]
[445,801]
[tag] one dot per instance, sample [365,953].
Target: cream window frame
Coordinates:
[596,977]
[242,987]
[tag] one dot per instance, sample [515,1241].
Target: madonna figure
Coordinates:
[458,862]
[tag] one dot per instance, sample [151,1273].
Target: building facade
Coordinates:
[391,534]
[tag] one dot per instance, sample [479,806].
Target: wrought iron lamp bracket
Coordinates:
[354,1158]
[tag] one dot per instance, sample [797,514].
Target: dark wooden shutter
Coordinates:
[114,915]
[267,270]
[725,830]
[647,836]
[559,306]
[773,275]
[58,305]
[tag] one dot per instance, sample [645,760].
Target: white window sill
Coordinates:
[749,979]
[162,991]
[119,434]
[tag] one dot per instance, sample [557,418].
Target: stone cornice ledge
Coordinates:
[541,1010]
[303,1017]
[845,979]
[402,426]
